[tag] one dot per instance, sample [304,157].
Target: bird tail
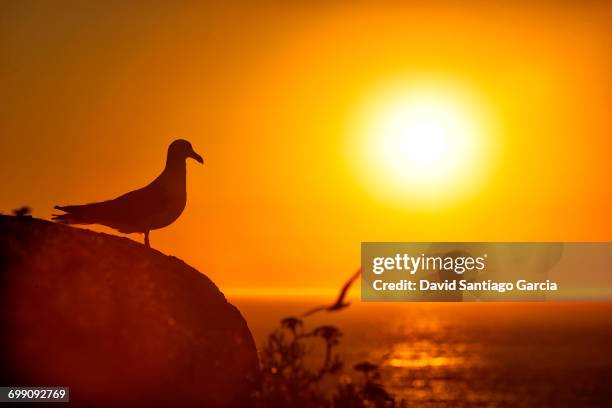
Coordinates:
[76,214]
[315,310]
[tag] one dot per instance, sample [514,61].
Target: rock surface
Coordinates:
[118,323]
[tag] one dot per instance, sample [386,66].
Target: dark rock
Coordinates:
[118,323]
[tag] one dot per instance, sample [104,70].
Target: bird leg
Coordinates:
[146,241]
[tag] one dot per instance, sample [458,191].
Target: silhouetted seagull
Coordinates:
[152,207]
[340,303]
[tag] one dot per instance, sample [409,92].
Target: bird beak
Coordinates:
[196,157]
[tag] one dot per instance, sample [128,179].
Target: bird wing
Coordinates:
[315,310]
[341,296]
[347,286]
[122,213]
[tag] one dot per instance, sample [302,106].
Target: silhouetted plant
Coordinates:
[366,392]
[292,377]
[24,211]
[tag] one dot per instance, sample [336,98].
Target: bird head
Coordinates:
[182,149]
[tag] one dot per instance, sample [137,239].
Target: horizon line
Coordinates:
[280,292]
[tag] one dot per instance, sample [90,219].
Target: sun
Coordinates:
[422,143]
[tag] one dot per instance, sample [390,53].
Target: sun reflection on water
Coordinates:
[424,361]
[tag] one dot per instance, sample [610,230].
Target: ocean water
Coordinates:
[469,354]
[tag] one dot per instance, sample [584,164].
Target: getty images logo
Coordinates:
[457,261]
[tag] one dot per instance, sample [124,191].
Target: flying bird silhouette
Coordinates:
[339,304]
[152,207]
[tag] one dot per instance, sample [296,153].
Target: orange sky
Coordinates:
[93,92]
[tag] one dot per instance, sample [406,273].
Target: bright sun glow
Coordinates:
[422,143]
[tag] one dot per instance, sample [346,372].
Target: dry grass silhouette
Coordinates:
[295,375]
[23,211]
